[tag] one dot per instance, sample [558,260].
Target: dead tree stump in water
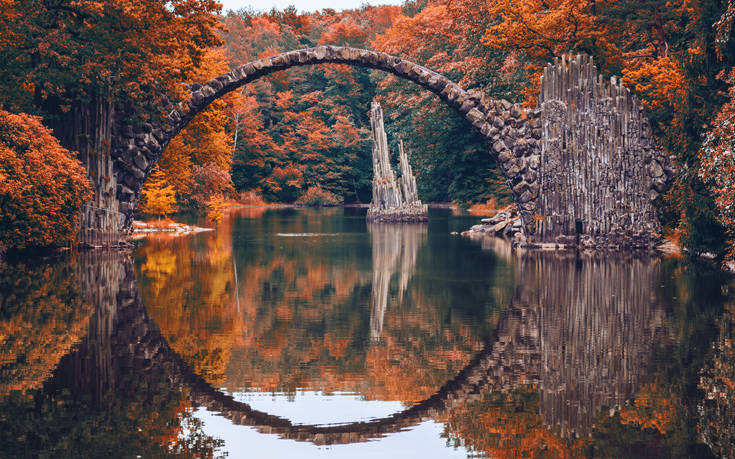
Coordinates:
[393,200]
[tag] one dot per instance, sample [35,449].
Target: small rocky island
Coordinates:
[394,200]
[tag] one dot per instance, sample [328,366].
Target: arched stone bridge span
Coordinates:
[583,158]
[510,130]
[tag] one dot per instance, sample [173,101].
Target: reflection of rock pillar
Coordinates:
[598,320]
[394,247]
[101,276]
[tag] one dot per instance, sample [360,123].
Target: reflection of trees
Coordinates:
[104,398]
[304,307]
[589,330]
[189,287]
[717,410]
[394,247]
[41,316]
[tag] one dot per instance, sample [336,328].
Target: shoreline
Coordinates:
[142,229]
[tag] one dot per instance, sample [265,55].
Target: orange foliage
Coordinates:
[489,207]
[43,317]
[251,198]
[542,30]
[204,142]
[345,33]
[508,425]
[123,47]
[316,196]
[660,83]
[157,198]
[202,331]
[653,408]
[42,186]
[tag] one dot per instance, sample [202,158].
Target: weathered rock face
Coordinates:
[559,144]
[393,200]
[599,166]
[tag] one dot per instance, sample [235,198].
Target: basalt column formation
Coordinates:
[599,166]
[393,200]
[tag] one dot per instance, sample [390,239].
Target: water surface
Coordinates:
[309,333]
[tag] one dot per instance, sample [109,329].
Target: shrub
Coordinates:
[316,196]
[251,198]
[717,173]
[210,181]
[42,186]
[158,198]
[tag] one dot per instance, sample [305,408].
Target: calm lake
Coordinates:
[309,333]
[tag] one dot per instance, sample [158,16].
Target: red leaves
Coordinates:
[42,186]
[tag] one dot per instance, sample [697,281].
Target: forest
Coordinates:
[303,134]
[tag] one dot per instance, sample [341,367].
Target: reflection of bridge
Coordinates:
[582,334]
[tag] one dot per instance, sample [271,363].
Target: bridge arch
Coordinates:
[138,346]
[512,133]
[525,348]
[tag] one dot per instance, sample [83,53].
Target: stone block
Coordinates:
[500,146]
[520,188]
[140,161]
[138,174]
[125,191]
[214,84]
[318,53]
[473,115]
[505,157]
[530,176]
[516,111]
[468,105]
[533,161]
[655,169]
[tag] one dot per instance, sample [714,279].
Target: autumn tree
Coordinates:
[306,126]
[211,183]
[452,161]
[61,58]
[42,186]
[158,198]
[42,316]
[717,165]
[205,142]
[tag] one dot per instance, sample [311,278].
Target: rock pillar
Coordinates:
[393,200]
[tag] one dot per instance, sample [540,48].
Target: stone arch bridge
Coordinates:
[582,161]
